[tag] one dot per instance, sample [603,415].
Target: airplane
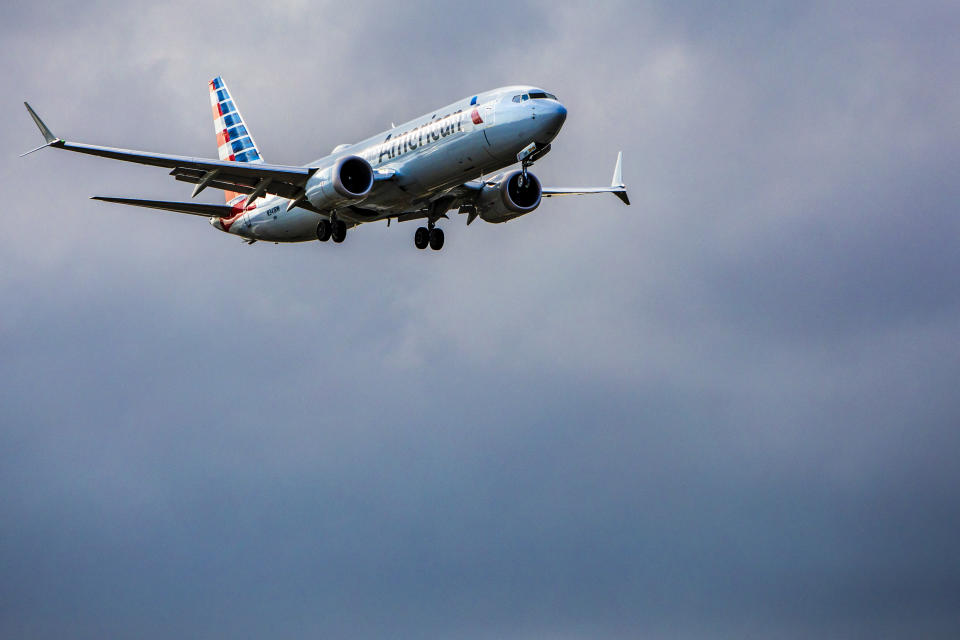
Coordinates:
[419,170]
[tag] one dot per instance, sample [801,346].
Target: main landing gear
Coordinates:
[428,236]
[339,233]
[324,230]
[336,229]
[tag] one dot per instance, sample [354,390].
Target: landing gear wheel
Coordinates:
[436,239]
[421,238]
[524,180]
[323,230]
[339,230]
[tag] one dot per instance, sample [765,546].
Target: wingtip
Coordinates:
[618,172]
[618,180]
[44,129]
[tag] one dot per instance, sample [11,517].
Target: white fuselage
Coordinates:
[428,156]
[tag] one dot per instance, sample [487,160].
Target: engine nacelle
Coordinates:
[507,199]
[349,179]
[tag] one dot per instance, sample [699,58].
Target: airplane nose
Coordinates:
[553,118]
[559,114]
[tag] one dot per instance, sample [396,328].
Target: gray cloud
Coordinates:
[727,410]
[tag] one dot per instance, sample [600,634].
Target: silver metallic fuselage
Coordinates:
[429,156]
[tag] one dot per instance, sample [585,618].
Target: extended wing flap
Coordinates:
[279,189]
[238,183]
[192,208]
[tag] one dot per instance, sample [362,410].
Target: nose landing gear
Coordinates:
[530,154]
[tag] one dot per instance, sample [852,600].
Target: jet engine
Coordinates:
[349,179]
[513,196]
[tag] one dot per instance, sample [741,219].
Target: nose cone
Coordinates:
[552,118]
[561,112]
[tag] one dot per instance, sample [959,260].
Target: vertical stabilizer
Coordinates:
[234,141]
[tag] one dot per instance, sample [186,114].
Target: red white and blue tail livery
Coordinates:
[234,141]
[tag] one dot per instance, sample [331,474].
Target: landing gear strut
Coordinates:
[523,180]
[530,154]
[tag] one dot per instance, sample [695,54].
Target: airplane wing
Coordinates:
[242,177]
[468,192]
[616,187]
[193,208]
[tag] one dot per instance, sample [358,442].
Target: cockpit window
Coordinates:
[535,95]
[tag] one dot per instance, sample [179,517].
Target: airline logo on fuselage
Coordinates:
[425,134]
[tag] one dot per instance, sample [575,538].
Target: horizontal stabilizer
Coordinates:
[192,208]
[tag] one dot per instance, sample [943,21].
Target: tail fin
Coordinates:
[233,138]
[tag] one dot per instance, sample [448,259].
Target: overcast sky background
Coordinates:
[728,410]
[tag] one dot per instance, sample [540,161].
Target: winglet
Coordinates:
[617,181]
[617,172]
[47,135]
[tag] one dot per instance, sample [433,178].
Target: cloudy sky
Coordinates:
[728,410]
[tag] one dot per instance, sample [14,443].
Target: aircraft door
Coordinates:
[488,113]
